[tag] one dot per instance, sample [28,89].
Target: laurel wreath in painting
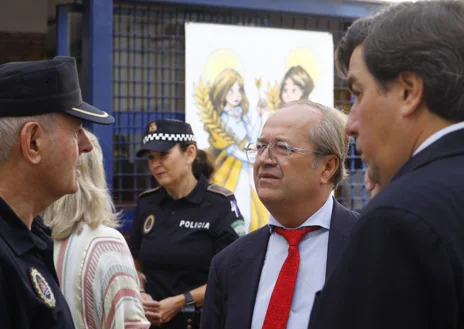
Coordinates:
[209,116]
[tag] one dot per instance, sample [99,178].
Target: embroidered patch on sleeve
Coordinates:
[239,227]
[42,288]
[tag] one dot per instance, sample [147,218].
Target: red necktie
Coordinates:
[282,295]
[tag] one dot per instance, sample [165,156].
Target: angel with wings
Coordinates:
[224,111]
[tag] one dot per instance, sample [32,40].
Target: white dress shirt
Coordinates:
[311,273]
[439,134]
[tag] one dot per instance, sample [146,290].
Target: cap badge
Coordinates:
[152,127]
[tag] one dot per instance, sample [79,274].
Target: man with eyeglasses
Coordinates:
[268,278]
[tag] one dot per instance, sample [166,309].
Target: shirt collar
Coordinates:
[439,134]
[195,196]
[321,218]
[16,234]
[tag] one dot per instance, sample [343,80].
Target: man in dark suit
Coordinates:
[259,281]
[404,264]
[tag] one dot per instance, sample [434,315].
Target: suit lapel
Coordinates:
[246,273]
[339,230]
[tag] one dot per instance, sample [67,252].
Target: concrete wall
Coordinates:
[29,16]
[23,30]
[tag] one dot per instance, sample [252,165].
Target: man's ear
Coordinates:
[32,142]
[412,91]
[330,164]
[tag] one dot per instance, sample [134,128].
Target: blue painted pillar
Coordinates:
[62,30]
[97,70]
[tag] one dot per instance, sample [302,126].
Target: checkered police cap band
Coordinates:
[169,137]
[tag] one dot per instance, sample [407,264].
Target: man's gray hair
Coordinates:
[329,137]
[10,130]
[91,204]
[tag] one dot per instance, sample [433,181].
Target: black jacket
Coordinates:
[30,295]
[404,265]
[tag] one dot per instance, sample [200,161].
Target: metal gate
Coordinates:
[148,84]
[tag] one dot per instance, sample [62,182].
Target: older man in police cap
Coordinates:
[41,114]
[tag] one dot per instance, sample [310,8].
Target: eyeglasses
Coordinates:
[278,151]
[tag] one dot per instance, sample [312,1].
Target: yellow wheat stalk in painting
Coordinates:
[258,82]
[209,116]
[273,97]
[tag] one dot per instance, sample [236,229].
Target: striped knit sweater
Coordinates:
[99,280]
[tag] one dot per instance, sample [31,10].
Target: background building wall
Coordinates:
[23,28]
[23,16]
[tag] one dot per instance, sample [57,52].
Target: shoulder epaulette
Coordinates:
[220,190]
[149,191]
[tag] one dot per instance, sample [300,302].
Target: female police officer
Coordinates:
[178,227]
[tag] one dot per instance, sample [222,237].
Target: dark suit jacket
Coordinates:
[235,272]
[404,265]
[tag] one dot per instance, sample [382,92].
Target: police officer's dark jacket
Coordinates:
[30,296]
[176,239]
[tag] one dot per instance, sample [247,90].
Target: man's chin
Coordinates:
[267,196]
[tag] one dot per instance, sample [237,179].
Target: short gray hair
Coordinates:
[92,202]
[10,130]
[329,136]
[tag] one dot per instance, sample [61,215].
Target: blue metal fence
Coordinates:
[148,83]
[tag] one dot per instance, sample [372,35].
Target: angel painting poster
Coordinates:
[238,76]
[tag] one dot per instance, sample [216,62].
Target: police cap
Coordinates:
[39,87]
[162,135]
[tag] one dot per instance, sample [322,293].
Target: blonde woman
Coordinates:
[296,85]
[229,100]
[92,260]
